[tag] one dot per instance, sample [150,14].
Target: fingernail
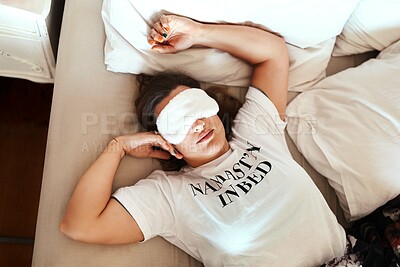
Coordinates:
[165,35]
[151,42]
[167,29]
[175,152]
[160,39]
[155,50]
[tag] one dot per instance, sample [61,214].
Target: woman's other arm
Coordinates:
[267,52]
[92,216]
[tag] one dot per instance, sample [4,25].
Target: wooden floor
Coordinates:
[24,118]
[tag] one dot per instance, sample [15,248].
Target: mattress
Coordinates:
[91,106]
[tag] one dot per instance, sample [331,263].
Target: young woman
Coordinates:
[242,202]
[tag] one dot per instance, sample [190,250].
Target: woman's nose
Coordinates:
[198,126]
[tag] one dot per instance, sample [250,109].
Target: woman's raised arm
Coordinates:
[267,52]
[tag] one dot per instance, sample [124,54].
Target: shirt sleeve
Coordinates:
[258,116]
[149,202]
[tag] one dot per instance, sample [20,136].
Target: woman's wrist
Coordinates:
[200,33]
[116,146]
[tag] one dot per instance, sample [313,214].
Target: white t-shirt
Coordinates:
[253,206]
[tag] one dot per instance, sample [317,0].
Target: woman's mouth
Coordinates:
[205,136]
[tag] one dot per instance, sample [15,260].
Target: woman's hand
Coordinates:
[171,34]
[147,145]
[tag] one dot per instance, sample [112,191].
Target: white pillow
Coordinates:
[127,50]
[374,25]
[348,128]
[308,66]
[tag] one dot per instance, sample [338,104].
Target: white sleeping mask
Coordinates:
[178,116]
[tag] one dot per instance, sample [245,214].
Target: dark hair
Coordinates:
[153,89]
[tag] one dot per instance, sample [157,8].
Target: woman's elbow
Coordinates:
[73,232]
[283,48]
[67,230]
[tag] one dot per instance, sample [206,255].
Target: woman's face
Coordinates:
[205,140]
